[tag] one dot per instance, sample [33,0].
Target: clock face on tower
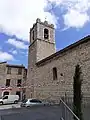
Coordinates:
[46,34]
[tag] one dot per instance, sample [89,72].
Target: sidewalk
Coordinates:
[10,106]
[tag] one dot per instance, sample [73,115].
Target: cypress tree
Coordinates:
[77,93]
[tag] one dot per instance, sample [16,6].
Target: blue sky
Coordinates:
[70,17]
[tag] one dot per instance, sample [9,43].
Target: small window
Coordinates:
[8,70]
[46,34]
[7,82]
[19,71]
[33,35]
[54,73]
[19,82]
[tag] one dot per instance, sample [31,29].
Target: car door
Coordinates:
[38,102]
[32,102]
[5,99]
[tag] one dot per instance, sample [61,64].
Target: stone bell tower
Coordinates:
[42,45]
[42,38]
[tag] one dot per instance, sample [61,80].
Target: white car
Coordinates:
[31,102]
[9,99]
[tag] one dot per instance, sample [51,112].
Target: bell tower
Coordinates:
[42,45]
[42,38]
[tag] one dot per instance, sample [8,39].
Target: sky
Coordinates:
[71,19]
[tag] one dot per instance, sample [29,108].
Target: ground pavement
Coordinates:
[32,113]
[10,106]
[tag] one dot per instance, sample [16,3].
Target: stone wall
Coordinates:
[14,76]
[2,73]
[44,49]
[47,88]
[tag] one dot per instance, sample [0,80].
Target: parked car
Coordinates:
[31,102]
[9,99]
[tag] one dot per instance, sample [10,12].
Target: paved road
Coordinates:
[9,106]
[33,113]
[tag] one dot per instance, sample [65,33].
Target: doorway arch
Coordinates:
[5,93]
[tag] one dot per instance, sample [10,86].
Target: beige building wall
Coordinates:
[65,63]
[44,49]
[42,59]
[46,88]
[2,75]
[14,77]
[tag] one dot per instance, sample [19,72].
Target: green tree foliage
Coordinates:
[77,93]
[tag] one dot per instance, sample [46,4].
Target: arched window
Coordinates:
[46,33]
[54,73]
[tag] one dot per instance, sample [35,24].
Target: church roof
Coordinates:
[83,40]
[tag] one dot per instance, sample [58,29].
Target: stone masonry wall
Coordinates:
[44,49]
[14,76]
[47,88]
[2,76]
[2,73]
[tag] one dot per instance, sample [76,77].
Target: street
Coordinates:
[8,106]
[32,113]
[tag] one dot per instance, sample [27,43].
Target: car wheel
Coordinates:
[15,101]
[2,102]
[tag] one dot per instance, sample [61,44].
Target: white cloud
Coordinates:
[17,44]
[24,52]
[13,51]
[75,19]
[76,14]
[17,16]
[0,48]
[4,56]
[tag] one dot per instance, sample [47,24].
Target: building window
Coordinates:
[54,73]
[8,70]
[46,34]
[19,82]
[6,93]
[7,82]
[33,35]
[19,71]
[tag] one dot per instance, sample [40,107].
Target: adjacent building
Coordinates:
[50,73]
[12,79]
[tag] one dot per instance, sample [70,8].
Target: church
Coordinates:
[50,73]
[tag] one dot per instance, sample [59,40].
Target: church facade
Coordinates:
[50,73]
